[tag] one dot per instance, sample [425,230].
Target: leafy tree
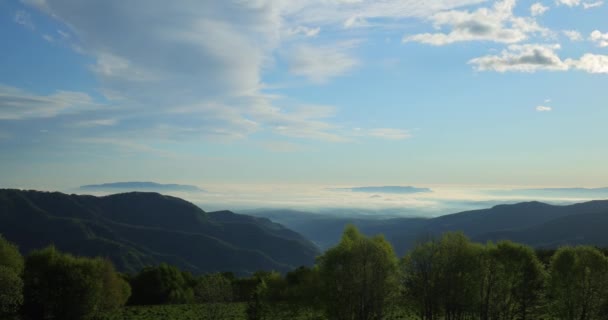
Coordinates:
[578,283]
[11,292]
[116,289]
[61,286]
[512,282]
[214,290]
[257,306]
[441,277]
[163,284]
[359,276]
[302,296]
[11,284]
[10,256]
[420,279]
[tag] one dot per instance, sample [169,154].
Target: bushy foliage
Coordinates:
[62,286]
[359,276]
[163,284]
[11,284]
[578,283]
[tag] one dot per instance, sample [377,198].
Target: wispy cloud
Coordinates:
[390,134]
[590,5]
[599,38]
[573,35]
[25,19]
[18,104]
[538,9]
[576,3]
[569,3]
[532,58]
[497,24]
[522,58]
[543,109]
[320,63]
[592,63]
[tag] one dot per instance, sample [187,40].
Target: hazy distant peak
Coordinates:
[556,192]
[388,189]
[141,186]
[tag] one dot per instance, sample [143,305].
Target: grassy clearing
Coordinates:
[228,311]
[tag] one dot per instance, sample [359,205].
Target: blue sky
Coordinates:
[328,92]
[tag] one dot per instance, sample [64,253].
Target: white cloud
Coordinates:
[355,21]
[543,109]
[538,9]
[213,57]
[48,38]
[97,123]
[522,58]
[590,5]
[532,58]
[592,63]
[576,3]
[573,35]
[25,19]
[389,133]
[569,3]
[319,64]
[496,24]
[305,31]
[600,39]
[338,12]
[17,104]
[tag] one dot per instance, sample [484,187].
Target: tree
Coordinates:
[512,282]
[578,283]
[11,292]
[11,284]
[10,256]
[116,289]
[359,276]
[441,277]
[302,296]
[163,284]
[62,286]
[420,279]
[213,290]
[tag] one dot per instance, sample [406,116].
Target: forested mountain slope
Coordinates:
[138,229]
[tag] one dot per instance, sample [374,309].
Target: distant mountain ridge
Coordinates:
[140,186]
[388,189]
[596,193]
[137,229]
[534,223]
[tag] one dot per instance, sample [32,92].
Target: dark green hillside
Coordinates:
[138,229]
[534,223]
[578,229]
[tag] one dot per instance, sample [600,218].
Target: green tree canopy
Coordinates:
[11,284]
[578,283]
[10,256]
[359,276]
[62,286]
[163,284]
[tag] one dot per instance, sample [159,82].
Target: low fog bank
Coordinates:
[343,201]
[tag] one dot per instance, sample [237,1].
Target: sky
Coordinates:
[312,92]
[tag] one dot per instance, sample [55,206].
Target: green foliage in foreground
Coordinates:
[446,278]
[229,311]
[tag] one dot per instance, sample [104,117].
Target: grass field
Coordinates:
[232,311]
[229,311]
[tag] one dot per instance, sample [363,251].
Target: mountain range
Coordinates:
[140,186]
[137,229]
[534,223]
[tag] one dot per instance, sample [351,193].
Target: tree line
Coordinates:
[361,278]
